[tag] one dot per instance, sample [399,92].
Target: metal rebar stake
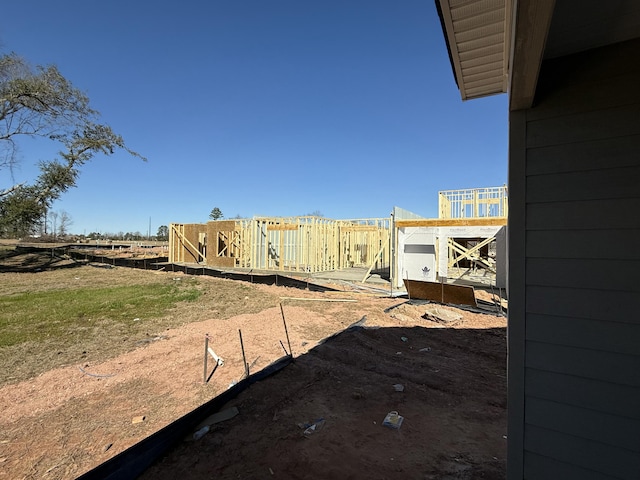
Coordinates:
[286,331]
[244,358]
[206,354]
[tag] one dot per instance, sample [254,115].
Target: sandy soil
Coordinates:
[66,421]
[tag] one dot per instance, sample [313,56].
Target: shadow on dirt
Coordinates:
[449,385]
[31,260]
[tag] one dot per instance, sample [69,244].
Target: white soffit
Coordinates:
[476,32]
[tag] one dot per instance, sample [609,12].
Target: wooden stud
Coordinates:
[466,253]
[283,226]
[307,244]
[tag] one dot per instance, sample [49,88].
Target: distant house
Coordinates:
[572,72]
[469,233]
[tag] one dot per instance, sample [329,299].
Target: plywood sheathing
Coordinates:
[185,243]
[223,243]
[441,292]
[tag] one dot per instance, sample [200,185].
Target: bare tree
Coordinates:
[54,223]
[64,224]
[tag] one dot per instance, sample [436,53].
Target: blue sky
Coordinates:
[260,107]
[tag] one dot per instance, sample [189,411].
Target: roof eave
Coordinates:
[447,30]
[531,21]
[512,66]
[474,33]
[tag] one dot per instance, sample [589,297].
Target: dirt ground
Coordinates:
[64,422]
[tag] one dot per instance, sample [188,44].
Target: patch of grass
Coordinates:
[63,313]
[77,315]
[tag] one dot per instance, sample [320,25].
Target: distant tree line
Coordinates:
[61,235]
[53,225]
[216,214]
[161,236]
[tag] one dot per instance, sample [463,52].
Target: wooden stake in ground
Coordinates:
[206,353]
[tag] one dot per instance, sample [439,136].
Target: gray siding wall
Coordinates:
[574,265]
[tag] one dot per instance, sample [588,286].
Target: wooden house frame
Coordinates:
[471,224]
[292,244]
[473,203]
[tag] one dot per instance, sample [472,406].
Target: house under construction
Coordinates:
[294,244]
[466,243]
[467,235]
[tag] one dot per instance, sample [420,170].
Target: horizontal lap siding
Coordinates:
[589,455]
[578,273]
[583,392]
[585,215]
[587,126]
[613,306]
[605,184]
[599,365]
[539,466]
[601,427]
[598,334]
[582,157]
[585,244]
[582,268]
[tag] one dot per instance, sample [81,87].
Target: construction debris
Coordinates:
[218,417]
[441,292]
[441,315]
[393,420]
